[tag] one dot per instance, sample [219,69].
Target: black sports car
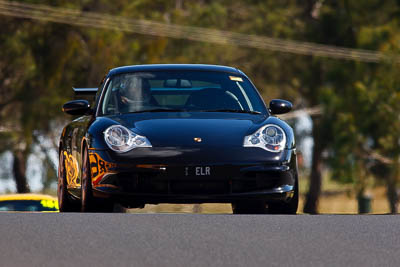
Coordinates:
[177,134]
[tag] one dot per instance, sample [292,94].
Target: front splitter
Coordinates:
[281,193]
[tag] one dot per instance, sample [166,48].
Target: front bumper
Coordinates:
[187,181]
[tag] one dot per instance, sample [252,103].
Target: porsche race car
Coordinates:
[177,133]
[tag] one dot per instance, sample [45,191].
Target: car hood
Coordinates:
[180,129]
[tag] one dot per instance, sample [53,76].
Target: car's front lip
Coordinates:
[281,193]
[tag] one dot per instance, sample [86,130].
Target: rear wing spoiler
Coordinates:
[85,91]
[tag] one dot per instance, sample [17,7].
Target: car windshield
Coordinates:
[29,205]
[176,91]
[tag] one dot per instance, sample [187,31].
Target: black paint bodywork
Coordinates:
[165,173]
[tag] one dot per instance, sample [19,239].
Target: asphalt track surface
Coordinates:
[198,240]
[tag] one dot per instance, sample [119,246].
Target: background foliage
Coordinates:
[356,137]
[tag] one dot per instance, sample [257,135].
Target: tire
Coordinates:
[249,207]
[289,207]
[118,208]
[88,202]
[65,203]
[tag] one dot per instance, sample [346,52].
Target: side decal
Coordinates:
[99,167]
[72,168]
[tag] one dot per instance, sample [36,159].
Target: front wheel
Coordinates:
[289,207]
[88,202]
[249,207]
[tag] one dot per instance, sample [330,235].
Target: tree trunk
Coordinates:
[392,195]
[19,171]
[392,187]
[314,189]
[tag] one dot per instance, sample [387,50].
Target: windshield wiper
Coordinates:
[233,110]
[159,110]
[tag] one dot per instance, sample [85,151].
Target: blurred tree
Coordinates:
[359,98]
[39,62]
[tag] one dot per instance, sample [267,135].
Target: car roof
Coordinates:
[10,197]
[174,67]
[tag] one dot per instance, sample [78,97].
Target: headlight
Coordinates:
[121,139]
[269,137]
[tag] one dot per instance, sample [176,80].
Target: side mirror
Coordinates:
[279,106]
[77,107]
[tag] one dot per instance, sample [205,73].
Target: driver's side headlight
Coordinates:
[121,139]
[269,137]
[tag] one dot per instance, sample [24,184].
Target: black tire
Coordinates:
[118,208]
[289,207]
[249,207]
[65,203]
[88,202]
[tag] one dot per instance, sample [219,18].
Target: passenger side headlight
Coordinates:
[269,137]
[121,139]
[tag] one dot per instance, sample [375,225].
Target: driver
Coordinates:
[136,92]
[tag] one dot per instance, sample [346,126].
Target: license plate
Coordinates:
[197,171]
